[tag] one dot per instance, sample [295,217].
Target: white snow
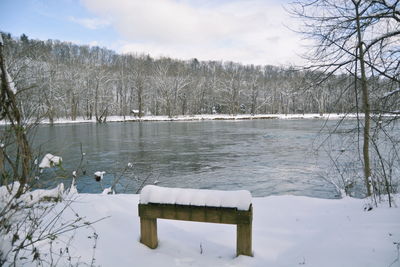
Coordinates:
[1,145]
[287,231]
[203,117]
[49,160]
[74,173]
[107,191]
[37,195]
[11,83]
[391,93]
[240,199]
[32,197]
[72,191]
[130,165]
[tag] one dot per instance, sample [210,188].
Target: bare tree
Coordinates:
[72,81]
[29,221]
[9,110]
[231,86]
[355,37]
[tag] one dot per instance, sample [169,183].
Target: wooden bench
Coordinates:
[149,212]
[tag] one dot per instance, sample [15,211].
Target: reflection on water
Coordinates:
[266,157]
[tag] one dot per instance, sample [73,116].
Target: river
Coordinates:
[266,157]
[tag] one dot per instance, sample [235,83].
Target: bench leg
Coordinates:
[243,240]
[148,232]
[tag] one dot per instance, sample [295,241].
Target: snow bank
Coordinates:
[202,117]
[38,195]
[287,231]
[30,198]
[240,199]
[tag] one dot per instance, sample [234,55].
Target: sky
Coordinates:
[246,31]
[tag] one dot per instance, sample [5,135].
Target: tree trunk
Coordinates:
[365,105]
[96,98]
[140,97]
[12,112]
[74,107]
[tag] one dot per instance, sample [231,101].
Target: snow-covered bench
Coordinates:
[229,207]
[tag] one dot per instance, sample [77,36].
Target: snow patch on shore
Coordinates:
[207,117]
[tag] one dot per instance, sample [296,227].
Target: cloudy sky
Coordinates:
[246,31]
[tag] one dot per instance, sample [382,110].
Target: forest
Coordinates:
[288,169]
[63,80]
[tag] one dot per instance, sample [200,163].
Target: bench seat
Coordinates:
[237,210]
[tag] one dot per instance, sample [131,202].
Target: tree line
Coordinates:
[63,80]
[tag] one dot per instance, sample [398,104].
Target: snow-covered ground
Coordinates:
[205,117]
[287,231]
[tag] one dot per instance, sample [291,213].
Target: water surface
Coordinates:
[267,157]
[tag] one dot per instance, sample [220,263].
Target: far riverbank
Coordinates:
[201,117]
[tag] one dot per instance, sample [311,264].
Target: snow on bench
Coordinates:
[240,199]
[228,207]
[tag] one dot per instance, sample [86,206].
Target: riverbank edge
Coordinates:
[203,117]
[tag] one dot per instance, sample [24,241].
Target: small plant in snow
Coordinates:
[368,207]
[32,227]
[108,191]
[31,222]
[397,244]
[303,262]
